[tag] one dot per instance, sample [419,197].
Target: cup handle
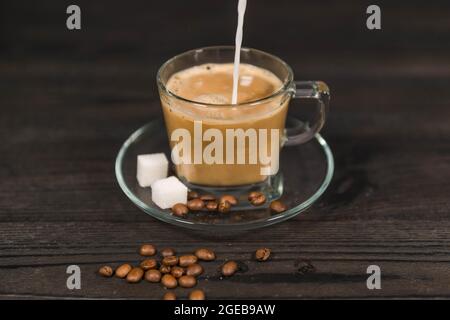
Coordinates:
[316,90]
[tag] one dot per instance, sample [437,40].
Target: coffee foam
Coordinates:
[212,83]
[212,98]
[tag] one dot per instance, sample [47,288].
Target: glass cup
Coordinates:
[235,148]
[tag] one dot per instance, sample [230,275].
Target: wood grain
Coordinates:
[69,99]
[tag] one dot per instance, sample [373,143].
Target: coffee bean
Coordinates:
[253,194]
[123,270]
[177,271]
[262,254]
[231,199]
[187,260]
[193,195]
[170,261]
[105,271]
[224,206]
[194,270]
[278,206]
[164,269]
[195,204]
[205,254]
[166,252]
[147,250]
[229,268]
[256,198]
[135,275]
[207,197]
[180,210]
[169,296]
[169,281]
[148,264]
[153,275]
[187,281]
[197,295]
[212,205]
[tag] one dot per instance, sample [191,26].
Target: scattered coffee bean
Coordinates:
[197,295]
[207,197]
[135,275]
[177,272]
[169,296]
[105,271]
[170,261]
[166,252]
[205,254]
[123,270]
[229,268]
[153,275]
[224,206]
[231,199]
[278,206]
[262,254]
[169,281]
[187,281]
[194,270]
[256,198]
[212,205]
[187,260]
[195,204]
[193,195]
[148,264]
[164,269]
[180,210]
[147,250]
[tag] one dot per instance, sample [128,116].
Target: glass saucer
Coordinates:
[306,171]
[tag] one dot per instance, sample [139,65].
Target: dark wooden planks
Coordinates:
[412,255]
[68,100]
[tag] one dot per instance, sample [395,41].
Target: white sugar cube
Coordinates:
[168,192]
[151,167]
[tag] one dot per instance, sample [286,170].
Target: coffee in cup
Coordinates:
[211,85]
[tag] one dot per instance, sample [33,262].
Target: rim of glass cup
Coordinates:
[285,87]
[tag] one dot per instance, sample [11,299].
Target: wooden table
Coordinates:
[68,99]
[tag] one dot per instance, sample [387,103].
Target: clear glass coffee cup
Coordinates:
[235,148]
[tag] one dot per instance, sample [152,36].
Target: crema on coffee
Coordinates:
[213,83]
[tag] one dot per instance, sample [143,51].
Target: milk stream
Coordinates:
[237,53]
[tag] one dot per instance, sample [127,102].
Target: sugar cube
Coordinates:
[168,192]
[151,167]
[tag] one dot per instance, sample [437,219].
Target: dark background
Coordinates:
[68,99]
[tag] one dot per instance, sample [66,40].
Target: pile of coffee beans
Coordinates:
[174,271]
[222,204]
